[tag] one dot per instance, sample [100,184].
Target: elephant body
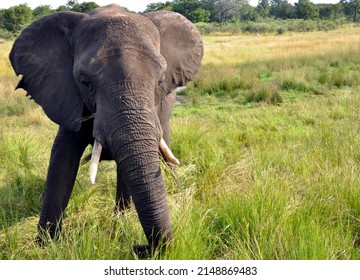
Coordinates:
[109,76]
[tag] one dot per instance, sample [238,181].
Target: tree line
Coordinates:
[241,10]
[15,18]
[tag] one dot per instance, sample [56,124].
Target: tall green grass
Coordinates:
[290,188]
[274,69]
[278,79]
[256,181]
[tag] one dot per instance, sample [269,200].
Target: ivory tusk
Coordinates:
[167,152]
[94,162]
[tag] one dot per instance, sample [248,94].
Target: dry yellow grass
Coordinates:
[5,66]
[241,49]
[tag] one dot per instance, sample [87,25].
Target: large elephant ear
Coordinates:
[43,55]
[181,46]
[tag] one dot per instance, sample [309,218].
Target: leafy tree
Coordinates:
[263,8]
[199,15]
[16,17]
[185,7]
[282,9]
[2,17]
[247,13]
[209,5]
[338,10]
[330,11]
[42,10]
[306,10]
[63,8]
[351,8]
[75,6]
[158,6]
[226,9]
[84,7]
[71,4]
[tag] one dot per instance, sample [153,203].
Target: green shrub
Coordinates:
[264,93]
[268,26]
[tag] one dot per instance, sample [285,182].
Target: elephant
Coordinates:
[108,79]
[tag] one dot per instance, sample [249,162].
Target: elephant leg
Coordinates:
[123,198]
[64,163]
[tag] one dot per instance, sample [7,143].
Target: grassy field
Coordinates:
[268,137]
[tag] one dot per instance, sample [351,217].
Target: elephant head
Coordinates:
[117,67]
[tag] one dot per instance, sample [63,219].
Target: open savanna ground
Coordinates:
[268,140]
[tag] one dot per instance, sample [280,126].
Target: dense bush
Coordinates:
[269,26]
[4,34]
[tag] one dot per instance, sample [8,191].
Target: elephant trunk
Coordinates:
[132,136]
[142,175]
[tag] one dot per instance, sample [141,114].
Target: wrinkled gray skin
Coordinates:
[124,68]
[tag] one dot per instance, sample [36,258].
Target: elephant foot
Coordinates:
[145,251]
[46,233]
[41,240]
[142,251]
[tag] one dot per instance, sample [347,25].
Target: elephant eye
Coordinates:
[87,84]
[161,80]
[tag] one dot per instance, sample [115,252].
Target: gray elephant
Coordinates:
[109,78]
